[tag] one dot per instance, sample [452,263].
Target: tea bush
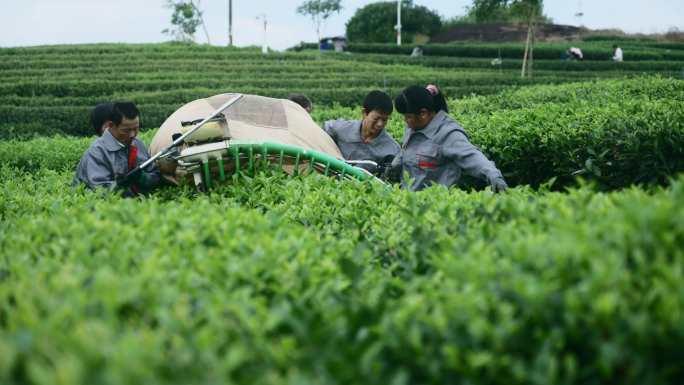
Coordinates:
[313,281]
[616,133]
[49,90]
[276,280]
[591,51]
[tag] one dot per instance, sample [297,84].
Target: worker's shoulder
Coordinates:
[341,125]
[344,130]
[449,129]
[386,138]
[96,153]
[97,146]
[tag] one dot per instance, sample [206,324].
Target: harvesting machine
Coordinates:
[211,139]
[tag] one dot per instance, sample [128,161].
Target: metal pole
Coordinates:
[264,48]
[230,23]
[176,142]
[398,26]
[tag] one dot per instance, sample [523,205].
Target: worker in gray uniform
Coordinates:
[366,139]
[435,149]
[109,161]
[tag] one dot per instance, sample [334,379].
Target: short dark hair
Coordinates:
[124,109]
[300,99]
[377,100]
[99,115]
[413,99]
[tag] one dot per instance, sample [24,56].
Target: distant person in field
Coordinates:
[366,139]
[100,117]
[435,149]
[302,100]
[617,53]
[575,53]
[113,155]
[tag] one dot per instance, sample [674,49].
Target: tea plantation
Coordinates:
[574,276]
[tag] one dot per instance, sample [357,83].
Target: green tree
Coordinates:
[319,11]
[185,19]
[455,21]
[512,11]
[374,23]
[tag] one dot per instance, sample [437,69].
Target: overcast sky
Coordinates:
[38,22]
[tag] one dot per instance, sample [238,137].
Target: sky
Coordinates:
[41,22]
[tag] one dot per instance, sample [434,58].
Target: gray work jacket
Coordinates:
[347,136]
[107,158]
[440,153]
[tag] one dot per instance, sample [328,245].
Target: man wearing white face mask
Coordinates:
[366,139]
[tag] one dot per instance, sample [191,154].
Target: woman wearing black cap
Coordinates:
[435,148]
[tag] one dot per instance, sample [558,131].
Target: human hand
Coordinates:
[498,185]
[128,179]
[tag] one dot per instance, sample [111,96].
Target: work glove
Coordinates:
[383,165]
[498,184]
[129,179]
[392,169]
